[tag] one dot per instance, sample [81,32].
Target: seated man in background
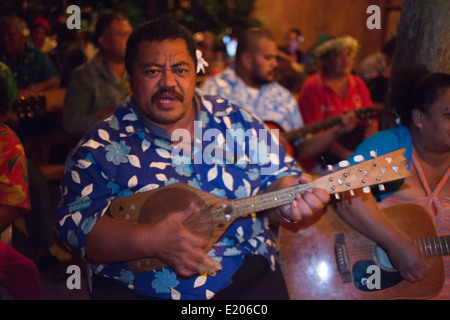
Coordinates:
[251,84]
[134,150]
[33,70]
[334,91]
[100,84]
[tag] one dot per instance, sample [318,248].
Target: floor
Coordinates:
[52,290]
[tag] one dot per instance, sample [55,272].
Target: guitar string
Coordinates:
[424,244]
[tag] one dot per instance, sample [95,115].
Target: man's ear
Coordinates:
[246,59]
[102,43]
[417,117]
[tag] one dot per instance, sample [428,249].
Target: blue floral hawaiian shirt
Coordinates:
[272,102]
[123,155]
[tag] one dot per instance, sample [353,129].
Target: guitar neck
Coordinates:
[270,200]
[302,132]
[432,246]
[266,201]
[389,167]
[312,128]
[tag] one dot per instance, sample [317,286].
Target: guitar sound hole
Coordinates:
[382,259]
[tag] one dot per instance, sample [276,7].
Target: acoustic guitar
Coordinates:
[328,260]
[293,135]
[216,214]
[29,108]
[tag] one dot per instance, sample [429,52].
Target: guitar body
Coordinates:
[309,260]
[150,207]
[288,147]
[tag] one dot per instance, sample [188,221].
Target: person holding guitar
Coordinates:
[335,91]
[425,133]
[136,150]
[251,84]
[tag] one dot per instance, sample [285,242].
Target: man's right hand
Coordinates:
[347,124]
[178,247]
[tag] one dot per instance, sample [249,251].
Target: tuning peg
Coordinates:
[330,168]
[366,189]
[381,187]
[336,196]
[352,193]
[344,164]
[373,154]
[358,158]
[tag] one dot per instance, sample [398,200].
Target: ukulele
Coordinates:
[330,260]
[216,214]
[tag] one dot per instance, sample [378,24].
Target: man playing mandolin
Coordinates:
[132,151]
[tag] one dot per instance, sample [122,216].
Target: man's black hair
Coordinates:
[157,30]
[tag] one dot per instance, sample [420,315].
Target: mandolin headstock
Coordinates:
[376,171]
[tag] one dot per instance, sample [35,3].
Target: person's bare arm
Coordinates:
[35,89]
[362,214]
[320,142]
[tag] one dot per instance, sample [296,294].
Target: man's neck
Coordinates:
[335,76]
[245,77]
[186,122]
[117,66]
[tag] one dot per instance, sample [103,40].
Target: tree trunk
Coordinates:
[424,34]
[423,38]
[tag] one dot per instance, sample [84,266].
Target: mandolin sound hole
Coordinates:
[166,201]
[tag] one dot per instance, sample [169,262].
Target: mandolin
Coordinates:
[329,260]
[216,214]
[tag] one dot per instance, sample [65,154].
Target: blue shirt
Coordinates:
[384,142]
[123,155]
[272,102]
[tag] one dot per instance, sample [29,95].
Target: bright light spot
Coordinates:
[322,271]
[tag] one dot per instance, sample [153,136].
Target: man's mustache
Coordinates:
[167,90]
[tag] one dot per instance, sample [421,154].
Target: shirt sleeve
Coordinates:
[274,163]
[85,198]
[209,87]
[5,72]
[295,118]
[14,190]
[381,143]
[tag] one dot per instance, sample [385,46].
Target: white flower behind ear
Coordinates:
[201,63]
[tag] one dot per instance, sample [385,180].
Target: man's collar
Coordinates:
[323,82]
